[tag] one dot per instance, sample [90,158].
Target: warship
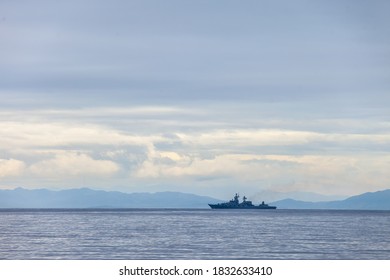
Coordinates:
[236,204]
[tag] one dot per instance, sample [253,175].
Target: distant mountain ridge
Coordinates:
[269,195]
[88,198]
[379,200]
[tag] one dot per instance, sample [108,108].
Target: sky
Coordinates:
[203,97]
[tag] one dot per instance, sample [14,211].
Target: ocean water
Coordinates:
[194,234]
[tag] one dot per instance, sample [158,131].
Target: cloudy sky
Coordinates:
[206,97]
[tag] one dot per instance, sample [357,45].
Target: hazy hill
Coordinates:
[87,198]
[368,201]
[268,195]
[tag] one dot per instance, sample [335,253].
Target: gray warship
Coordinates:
[236,204]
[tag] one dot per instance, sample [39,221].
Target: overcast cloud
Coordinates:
[208,97]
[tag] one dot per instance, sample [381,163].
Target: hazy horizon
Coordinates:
[201,97]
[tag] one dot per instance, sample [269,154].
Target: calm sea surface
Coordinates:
[194,234]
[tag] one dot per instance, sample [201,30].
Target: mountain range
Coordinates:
[88,198]
[268,195]
[379,200]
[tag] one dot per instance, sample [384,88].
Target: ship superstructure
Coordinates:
[236,204]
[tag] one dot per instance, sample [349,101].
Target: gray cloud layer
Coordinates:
[150,92]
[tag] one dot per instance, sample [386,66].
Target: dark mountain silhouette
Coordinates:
[88,198]
[379,200]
